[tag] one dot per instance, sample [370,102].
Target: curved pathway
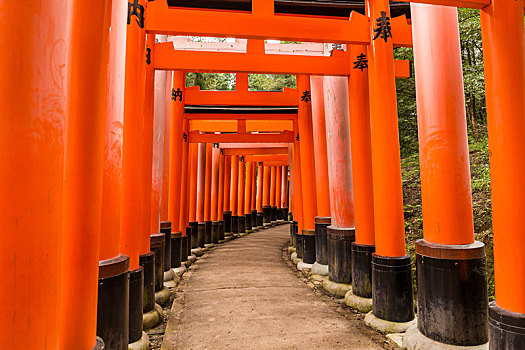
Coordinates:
[242,295]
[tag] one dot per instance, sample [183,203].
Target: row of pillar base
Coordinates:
[452,289]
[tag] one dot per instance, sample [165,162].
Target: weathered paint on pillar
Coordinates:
[176,152]
[388,193]
[339,152]
[32,142]
[164,200]
[201,181]
[86,81]
[193,177]
[234,187]
[320,155]
[504,61]
[363,190]
[304,116]
[216,152]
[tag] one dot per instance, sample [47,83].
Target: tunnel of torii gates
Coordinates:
[102,194]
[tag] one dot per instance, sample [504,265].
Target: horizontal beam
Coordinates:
[175,21]
[253,151]
[276,163]
[255,145]
[232,125]
[266,158]
[212,116]
[195,96]
[197,137]
[166,58]
[474,4]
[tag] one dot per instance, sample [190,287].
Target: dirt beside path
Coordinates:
[242,295]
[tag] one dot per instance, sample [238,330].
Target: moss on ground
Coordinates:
[481,203]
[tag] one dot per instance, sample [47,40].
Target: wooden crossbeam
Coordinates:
[253,151]
[268,157]
[233,125]
[197,137]
[211,116]
[195,96]
[226,145]
[475,4]
[276,163]
[175,21]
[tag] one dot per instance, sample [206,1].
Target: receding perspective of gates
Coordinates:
[116,176]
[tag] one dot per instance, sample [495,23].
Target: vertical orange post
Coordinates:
[207,194]
[201,185]
[220,200]
[278,189]
[248,197]
[164,200]
[192,201]
[227,186]
[266,207]
[388,193]
[284,192]
[216,153]
[504,61]
[253,205]
[242,190]
[234,193]
[259,204]
[304,116]
[273,178]
[184,194]
[297,193]
[445,187]
[32,171]
[86,81]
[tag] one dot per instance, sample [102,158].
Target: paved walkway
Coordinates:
[242,295]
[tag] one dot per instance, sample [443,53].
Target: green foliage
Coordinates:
[269,82]
[226,81]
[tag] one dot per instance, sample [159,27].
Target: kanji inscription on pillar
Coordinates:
[383,28]
[361,63]
[137,10]
[148,56]
[176,94]
[307,96]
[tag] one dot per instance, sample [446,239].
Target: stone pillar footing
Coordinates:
[99,344]
[321,244]
[141,344]
[392,288]
[162,296]
[152,318]
[301,265]
[358,303]
[385,326]
[319,269]
[339,243]
[337,290]
[415,340]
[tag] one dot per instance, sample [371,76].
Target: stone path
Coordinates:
[243,295]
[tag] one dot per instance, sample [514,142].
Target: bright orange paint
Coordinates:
[198,137]
[260,180]
[32,170]
[249,152]
[388,193]
[240,97]
[201,183]
[86,81]
[183,220]
[234,187]
[272,185]
[253,205]
[249,184]
[278,185]
[319,138]
[307,155]
[192,176]
[227,182]
[207,184]
[266,185]
[220,184]
[504,61]
[164,203]
[215,154]
[284,187]
[176,153]
[297,185]
[242,188]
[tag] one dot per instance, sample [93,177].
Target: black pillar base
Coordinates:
[147,262]
[339,244]
[506,329]
[279,214]
[189,234]
[248,222]
[362,269]
[176,250]
[254,218]
[290,216]
[136,293]
[267,214]
[235,224]
[113,302]
[227,216]
[201,234]
[292,235]
[184,246]
[299,241]
[194,234]
[221,230]
[392,288]
[165,227]
[260,220]
[215,232]
[321,244]
[452,288]
[157,247]
[285,213]
[242,224]
[308,246]
[207,237]
[273,214]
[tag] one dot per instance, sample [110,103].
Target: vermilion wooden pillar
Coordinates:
[260,181]
[192,202]
[297,224]
[266,207]
[32,166]
[86,81]
[241,193]
[234,193]
[284,192]
[253,205]
[341,233]
[504,61]
[273,187]
[113,287]
[227,213]
[450,264]
[391,290]
[304,116]
[220,201]
[364,245]
[207,194]
[184,197]
[322,220]
[201,197]
[278,184]
[248,197]
[216,152]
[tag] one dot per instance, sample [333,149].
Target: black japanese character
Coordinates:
[297,137]
[307,97]
[136,9]
[215,145]
[148,55]
[362,62]
[185,137]
[241,159]
[383,29]
[175,94]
